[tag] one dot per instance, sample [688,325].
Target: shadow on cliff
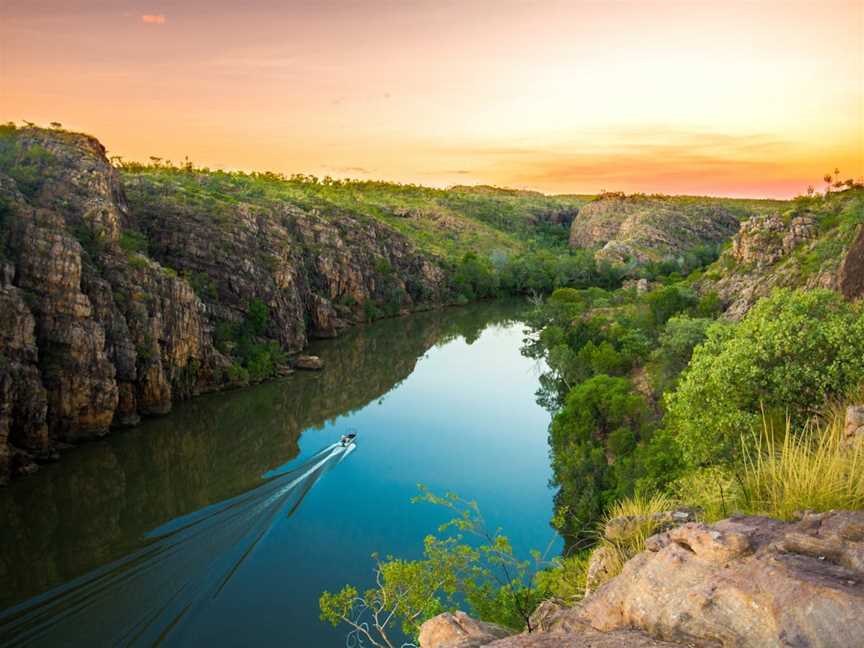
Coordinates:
[141,598]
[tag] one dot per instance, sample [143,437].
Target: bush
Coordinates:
[790,353]
[133,242]
[565,581]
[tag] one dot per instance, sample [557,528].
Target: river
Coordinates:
[221,523]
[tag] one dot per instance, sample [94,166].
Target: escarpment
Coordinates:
[119,296]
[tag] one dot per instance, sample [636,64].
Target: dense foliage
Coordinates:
[790,353]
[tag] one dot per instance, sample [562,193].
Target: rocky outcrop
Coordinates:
[763,241]
[853,429]
[112,307]
[743,582]
[626,229]
[458,630]
[817,245]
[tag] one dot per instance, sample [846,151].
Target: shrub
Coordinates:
[565,581]
[791,352]
[237,374]
[133,242]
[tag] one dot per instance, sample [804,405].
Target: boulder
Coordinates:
[458,630]
[744,582]
[584,638]
[308,363]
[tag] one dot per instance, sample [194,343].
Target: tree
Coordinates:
[666,302]
[597,410]
[496,584]
[790,353]
[679,337]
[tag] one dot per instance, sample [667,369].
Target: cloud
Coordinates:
[154,19]
[649,159]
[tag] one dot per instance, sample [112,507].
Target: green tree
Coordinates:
[666,302]
[679,337]
[790,353]
[598,410]
[467,561]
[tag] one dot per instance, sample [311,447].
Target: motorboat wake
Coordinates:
[143,597]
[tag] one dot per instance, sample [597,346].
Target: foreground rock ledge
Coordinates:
[745,582]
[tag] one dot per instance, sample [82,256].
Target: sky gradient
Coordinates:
[724,98]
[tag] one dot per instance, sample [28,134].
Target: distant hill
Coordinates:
[640,228]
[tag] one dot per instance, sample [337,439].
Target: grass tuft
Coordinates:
[809,470]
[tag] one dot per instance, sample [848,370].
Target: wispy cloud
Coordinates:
[650,159]
[154,19]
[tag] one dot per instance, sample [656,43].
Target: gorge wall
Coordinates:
[96,332]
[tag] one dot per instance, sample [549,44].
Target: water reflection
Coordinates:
[100,502]
[154,590]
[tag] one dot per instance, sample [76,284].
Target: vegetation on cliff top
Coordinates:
[444,222]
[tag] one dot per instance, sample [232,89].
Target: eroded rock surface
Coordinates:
[458,630]
[748,581]
[113,291]
[745,582]
[799,249]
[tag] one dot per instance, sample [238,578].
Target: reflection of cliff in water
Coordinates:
[98,503]
[141,598]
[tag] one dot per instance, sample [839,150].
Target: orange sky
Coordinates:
[735,98]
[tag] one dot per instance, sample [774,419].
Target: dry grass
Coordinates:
[715,490]
[806,470]
[641,513]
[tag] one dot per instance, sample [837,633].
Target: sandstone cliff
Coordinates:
[817,243]
[638,228]
[112,293]
[742,582]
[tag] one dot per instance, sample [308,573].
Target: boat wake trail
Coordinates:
[142,598]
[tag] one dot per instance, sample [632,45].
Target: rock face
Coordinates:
[818,246]
[458,630]
[763,241]
[743,582]
[98,328]
[649,228]
[853,430]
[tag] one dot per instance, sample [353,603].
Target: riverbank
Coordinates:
[392,381]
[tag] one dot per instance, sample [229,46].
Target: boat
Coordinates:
[348,439]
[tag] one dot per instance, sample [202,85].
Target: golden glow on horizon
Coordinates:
[732,98]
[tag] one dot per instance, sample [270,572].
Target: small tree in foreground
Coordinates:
[466,563]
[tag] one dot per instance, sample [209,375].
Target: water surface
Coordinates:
[221,523]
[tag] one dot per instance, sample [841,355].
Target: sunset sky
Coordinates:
[732,98]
